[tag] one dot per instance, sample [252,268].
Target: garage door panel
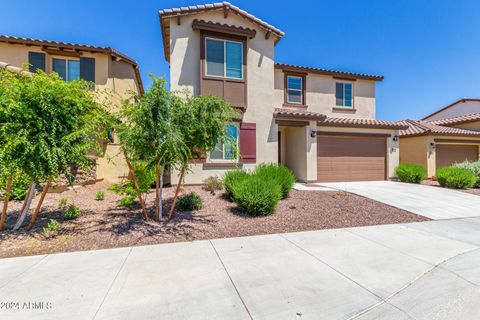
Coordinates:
[448,154]
[350,158]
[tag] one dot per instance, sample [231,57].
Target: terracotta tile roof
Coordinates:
[420,128]
[167,14]
[362,123]
[198,24]
[76,47]
[344,74]
[451,105]
[297,114]
[9,67]
[472,117]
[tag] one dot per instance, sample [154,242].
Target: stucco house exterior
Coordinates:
[447,136]
[104,66]
[320,123]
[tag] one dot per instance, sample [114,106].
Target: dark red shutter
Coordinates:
[248,142]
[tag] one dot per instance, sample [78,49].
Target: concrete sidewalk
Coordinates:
[425,270]
[428,201]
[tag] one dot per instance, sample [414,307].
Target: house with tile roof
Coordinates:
[320,123]
[107,68]
[447,136]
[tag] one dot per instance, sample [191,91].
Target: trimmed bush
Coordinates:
[189,202]
[458,178]
[212,184]
[470,166]
[126,201]
[412,173]
[257,196]
[231,180]
[51,229]
[279,174]
[72,213]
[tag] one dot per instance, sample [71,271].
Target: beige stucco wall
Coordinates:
[422,151]
[393,147]
[185,75]
[117,76]
[320,96]
[459,109]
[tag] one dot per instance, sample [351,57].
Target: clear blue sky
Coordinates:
[428,50]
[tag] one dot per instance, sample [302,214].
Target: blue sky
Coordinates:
[428,50]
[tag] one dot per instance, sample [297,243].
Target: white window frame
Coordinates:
[224,59]
[223,148]
[66,66]
[301,90]
[343,98]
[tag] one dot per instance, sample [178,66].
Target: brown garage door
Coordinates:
[447,154]
[351,158]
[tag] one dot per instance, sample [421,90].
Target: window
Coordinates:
[68,70]
[227,150]
[295,90]
[224,58]
[343,94]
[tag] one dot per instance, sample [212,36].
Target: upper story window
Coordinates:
[227,150]
[294,90]
[344,94]
[68,70]
[224,58]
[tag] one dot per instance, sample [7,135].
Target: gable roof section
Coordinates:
[472,117]
[423,128]
[327,72]
[75,47]
[451,105]
[226,7]
[297,114]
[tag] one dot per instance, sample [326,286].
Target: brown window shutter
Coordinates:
[248,142]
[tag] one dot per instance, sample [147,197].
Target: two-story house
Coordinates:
[319,123]
[104,66]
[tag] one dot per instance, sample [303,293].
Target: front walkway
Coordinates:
[428,201]
[425,270]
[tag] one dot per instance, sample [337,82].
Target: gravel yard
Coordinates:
[435,183]
[103,224]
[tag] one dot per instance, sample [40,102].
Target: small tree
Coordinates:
[202,121]
[148,132]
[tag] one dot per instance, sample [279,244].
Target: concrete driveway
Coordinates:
[425,270]
[428,201]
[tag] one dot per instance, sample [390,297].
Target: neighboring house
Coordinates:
[447,136]
[320,123]
[106,67]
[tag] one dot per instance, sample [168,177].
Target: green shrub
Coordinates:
[189,202]
[145,177]
[470,166]
[126,201]
[71,213]
[412,173]
[63,202]
[457,178]
[231,180]
[100,195]
[19,188]
[257,196]
[116,188]
[212,184]
[51,229]
[279,174]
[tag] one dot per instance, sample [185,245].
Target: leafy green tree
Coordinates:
[51,125]
[202,121]
[149,133]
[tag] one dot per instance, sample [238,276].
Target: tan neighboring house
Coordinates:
[320,123]
[447,136]
[106,67]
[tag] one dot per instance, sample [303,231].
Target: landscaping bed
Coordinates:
[434,183]
[103,224]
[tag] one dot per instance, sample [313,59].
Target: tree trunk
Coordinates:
[157,199]
[137,189]
[172,209]
[158,194]
[26,206]
[5,202]
[39,206]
